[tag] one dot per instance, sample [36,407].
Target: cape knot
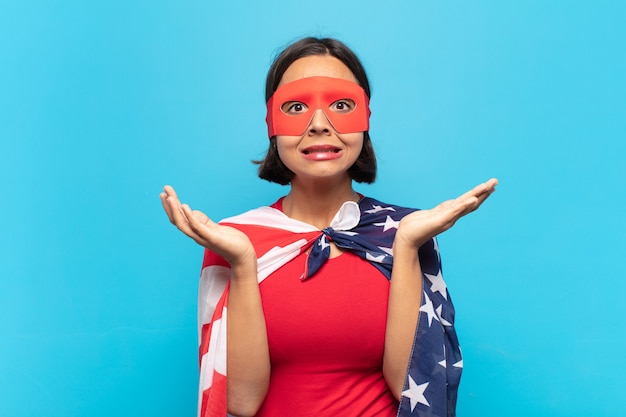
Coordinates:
[346,218]
[328,232]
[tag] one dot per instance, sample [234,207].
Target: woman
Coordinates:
[322,319]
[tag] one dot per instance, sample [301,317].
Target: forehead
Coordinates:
[317,90]
[317,66]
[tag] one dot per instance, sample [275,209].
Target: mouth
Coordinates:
[321,149]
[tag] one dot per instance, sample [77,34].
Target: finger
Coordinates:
[171,196]
[169,190]
[472,199]
[178,217]
[198,221]
[487,186]
[474,192]
[174,207]
[484,196]
[163,198]
[176,213]
[181,221]
[200,224]
[168,194]
[462,208]
[466,206]
[187,212]
[447,213]
[170,205]
[492,182]
[490,188]
[202,218]
[480,199]
[454,208]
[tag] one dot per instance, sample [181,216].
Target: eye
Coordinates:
[294,107]
[345,105]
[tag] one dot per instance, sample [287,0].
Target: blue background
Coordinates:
[104,102]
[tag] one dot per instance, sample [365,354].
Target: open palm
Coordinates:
[228,242]
[420,226]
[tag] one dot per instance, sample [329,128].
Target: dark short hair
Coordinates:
[271,168]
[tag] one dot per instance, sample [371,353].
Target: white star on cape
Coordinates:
[323,243]
[441,319]
[373,258]
[389,224]
[416,393]
[438,284]
[386,250]
[429,310]
[443,362]
[376,209]
[459,364]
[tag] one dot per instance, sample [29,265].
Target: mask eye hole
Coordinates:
[294,108]
[344,105]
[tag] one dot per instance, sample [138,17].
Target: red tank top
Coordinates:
[326,340]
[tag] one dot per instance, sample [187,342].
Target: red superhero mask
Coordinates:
[291,107]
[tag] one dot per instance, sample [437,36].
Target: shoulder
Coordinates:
[268,216]
[258,215]
[387,216]
[371,207]
[254,216]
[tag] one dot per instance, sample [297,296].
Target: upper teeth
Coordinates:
[321,150]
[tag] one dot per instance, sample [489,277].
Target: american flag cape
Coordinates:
[366,228]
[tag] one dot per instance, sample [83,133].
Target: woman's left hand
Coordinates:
[420,226]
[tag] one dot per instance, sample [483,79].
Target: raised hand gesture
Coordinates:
[418,227]
[226,241]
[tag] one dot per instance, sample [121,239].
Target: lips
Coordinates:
[322,152]
[321,149]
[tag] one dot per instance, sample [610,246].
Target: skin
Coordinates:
[318,190]
[319,187]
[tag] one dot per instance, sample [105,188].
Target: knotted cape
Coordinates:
[366,228]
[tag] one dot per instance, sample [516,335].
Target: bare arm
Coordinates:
[405,293]
[248,364]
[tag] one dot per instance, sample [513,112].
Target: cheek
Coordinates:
[283,143]
[285,146]
[354,141]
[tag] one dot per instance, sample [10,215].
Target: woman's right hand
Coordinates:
[230,243]
[247,358]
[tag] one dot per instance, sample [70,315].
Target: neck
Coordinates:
[317,203]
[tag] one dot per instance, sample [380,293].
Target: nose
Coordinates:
[319,123]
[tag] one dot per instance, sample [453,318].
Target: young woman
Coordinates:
[326,303]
